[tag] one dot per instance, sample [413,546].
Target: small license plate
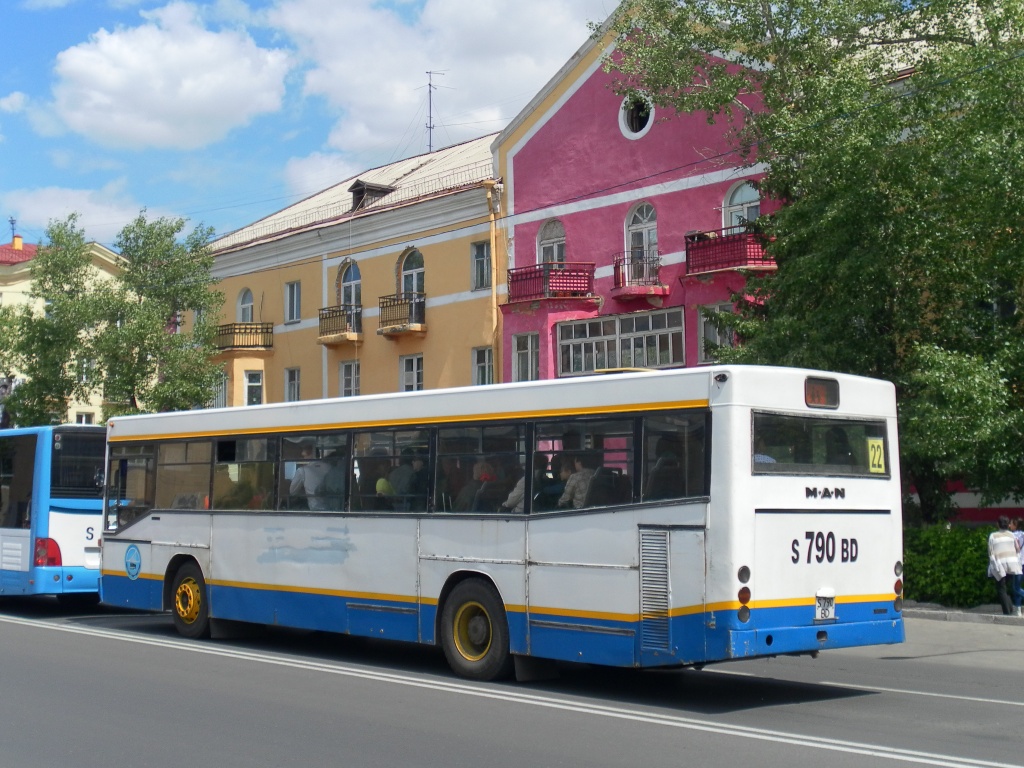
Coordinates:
[824,608]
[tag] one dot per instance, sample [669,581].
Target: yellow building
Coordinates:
[15,287]
[384,282]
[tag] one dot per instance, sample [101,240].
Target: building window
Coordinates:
[85,418]
[245,306]
[413,273]
[481,255]
[292,392]
[220,394]
[551,243]
[636,116]
[711,338]
[741,207]
[411,373]
[292,302]
[483,366]
[641,340]
[642,231]
[526,357]
[253,387]
[348,378]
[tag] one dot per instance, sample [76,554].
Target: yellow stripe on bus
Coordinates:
[438,420]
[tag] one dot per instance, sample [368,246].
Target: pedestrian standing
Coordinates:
[1017,528]
[1004,563]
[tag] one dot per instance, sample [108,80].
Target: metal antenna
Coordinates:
[430,108]
[14,223]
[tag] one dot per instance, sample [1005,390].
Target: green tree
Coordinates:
[159,320]
[48,340]
[891,135]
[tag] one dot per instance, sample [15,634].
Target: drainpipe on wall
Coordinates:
[493,208]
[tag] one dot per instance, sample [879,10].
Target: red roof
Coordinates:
[9,255]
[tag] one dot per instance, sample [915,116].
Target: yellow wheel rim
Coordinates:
[188,600]
[472,631]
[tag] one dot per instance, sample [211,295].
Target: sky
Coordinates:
[223,112]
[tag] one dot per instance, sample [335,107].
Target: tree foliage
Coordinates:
[891,135]
[47,340]
[122,337]
[147,361]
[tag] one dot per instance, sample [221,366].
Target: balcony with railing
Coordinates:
[551,280]
[637,274]
[342,324]
[244,337]
[724,249]
[403,313]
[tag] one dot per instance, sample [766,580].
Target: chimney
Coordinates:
[17,243]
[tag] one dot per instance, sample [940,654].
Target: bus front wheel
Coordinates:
[188,602]
[474,632]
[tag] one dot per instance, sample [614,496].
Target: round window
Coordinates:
[636,116]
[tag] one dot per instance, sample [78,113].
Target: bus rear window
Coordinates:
[801,445]
[77,466]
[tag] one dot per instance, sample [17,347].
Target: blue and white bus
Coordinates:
[51,513]
[649,519]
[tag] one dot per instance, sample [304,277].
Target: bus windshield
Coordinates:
[786,444]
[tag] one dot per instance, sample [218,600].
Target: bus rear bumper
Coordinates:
[774,641]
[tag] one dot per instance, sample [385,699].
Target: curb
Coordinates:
[961,616]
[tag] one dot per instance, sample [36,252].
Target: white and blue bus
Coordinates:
[649,519]
[51,511]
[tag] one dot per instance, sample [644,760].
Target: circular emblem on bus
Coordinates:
[132,562]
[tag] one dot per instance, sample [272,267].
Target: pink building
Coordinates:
[623,223]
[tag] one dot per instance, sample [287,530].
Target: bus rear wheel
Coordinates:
[189,605]
[474,632]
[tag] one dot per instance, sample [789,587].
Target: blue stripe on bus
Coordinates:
[49,580]
[687,639]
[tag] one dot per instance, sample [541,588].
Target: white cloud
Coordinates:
[307,175]
[13,102]
[102,212]
[168,83]
[369,63]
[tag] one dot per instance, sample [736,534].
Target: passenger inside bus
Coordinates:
[575,493]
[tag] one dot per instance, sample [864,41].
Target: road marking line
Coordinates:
[512,696]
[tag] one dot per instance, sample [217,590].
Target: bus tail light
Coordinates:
[744,597]
[897,604]
[47,552]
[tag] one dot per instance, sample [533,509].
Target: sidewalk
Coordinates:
[982,614]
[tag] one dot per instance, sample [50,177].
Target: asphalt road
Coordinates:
[107,688]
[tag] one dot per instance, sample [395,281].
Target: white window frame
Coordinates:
[598,343]
[410,373]
[292,385]
[551,243]
[348,378]
[245,306]
[85,417]
[628,117]
[293,302]
[480,265]
[526,356]
[708,332]
[253,383]
[740,209]
[483,366]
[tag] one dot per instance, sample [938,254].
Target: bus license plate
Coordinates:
[824,608]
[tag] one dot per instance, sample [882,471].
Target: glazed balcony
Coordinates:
[403,313]
[244,336]
[724,249]
[342,324]
[551,280]
[637,274]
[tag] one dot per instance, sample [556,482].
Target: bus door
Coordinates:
[17,465]
[672,595]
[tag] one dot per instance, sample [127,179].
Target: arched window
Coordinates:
[551,243]
[245,314]
[350,285]
[412,273]
[642,231]
[741,207]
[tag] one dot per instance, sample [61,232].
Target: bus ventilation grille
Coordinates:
[654,581]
